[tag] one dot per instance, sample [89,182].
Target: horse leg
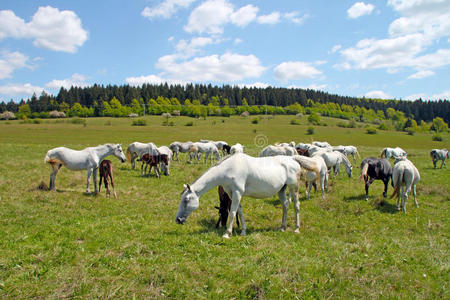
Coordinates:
[55,168]
[367,185]
[142,166]
[112,182]
[386,183]
[95,180]
[323,184]
[241,216]
[89,173]
[405,191]
[108,192]
[100,181]
[157,171]
[235,202]
[133,163]
[443,163]
[293,194]
[285,202]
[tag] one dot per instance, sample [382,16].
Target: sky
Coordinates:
[392,49]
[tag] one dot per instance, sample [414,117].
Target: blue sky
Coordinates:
[378,49]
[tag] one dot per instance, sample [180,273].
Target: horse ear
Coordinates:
[189,187]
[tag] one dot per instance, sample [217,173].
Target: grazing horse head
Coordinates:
[189,202]
[118,152]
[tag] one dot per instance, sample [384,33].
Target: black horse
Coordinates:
[224,209]
[376,169]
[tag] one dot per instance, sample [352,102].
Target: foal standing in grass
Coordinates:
[106,174]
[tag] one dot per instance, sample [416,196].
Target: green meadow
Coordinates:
[69,244]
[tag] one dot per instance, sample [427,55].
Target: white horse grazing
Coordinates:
[88,158]
[322,144]
[406,176]
[137,149]
[277,150]
[313,150]
[209,149]
[316,164]
[164,150]
[177,147]
[242,175]
[439,154]
[237,148]
[291,144]
[393,152]
[352,150]
[334,159]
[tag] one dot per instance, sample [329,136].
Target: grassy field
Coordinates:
[67,244]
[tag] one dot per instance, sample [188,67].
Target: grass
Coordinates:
[67,244]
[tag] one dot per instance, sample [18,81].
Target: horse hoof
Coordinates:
[243,233]
[297,230]
[282,229]
[226,235]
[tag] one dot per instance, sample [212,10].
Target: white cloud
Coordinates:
[76,80]
[423,96]
[165,9]
[378,95]
[20,89]
[223,68]
[295,18]
[245,15]
[271,18]
[313,86]
[237,41]
[421,74]
[50,28]
[187,49]
[261,85]
[11,61]
[150,79]
[293,70]
[335,49]
[360,9]
[210,17]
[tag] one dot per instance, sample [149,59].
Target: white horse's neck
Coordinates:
[103,151]
[207,181]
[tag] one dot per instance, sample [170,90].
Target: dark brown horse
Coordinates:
[224,209]
[376,169]
[106,173]
[153,161]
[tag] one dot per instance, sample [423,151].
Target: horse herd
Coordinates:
[278,169]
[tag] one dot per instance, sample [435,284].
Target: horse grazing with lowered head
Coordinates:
[405,176]
[153,161]
[242,175]
[178,147]
[334,159]
[439,154]
[137,149]
[277,150]
[237,148]
[106,173]
[87,159]
[393,152]
[224,209]
[375,169]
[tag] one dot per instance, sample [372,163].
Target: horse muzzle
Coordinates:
[180,221]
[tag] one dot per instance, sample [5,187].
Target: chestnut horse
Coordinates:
[153,161]
[106,172]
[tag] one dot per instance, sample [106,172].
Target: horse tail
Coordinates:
[128,154]
[383,153]
[52,160]
[357,153]
[364,171]
[47,157]
[307,164]
[397,181]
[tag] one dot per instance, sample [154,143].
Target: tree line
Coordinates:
[96,96]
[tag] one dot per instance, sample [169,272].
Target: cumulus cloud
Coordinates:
[222,68]
[150,79]
[76,80]
[10,61]
[378,95]
[335,49]
[261,85]
[423,96]
[187,49]
[49,28]
[360,9]
[271,18]
[295,17]
[244,16]
[20,89]
[165,9]
[411,36]
[294,70]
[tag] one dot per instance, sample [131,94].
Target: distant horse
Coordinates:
[224,209]
[87,159]
[321,144]
[177,147]
[242,175]
[165,166]
[315,169]
[277,150]
[439,154]
[291,144]
[405,176]
[237,148]
[137,149]
[153,161]
[393,152]
[333,161]
[375,169]
[106,173]
[208,148]
[346,150]
[226,149]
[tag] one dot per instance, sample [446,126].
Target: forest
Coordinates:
[113,100]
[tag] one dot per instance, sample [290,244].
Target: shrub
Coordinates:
[410,130]
[295,122]
[383,126]
[139,122]
[76,121]
[371,130]
[7,115]
[437,137]
[255,121]
[310,130]
[190,123]
[314,119]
